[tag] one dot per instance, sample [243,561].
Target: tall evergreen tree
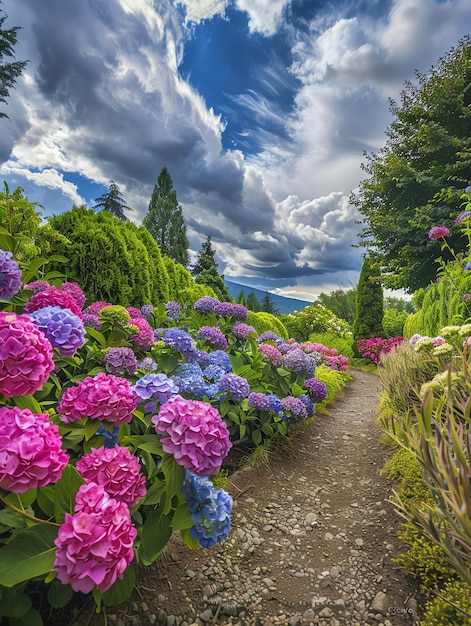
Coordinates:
[205,271]
[113,202]
[9,72]
[267,305]
[369,305]
[165,222]
[252,302]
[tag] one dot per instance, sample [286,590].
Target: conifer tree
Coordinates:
[205,271]
[9,72]
[369,303]
[113,202]
[165,222]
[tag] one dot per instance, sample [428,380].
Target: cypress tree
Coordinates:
[369,303]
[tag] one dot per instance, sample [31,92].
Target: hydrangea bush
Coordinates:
[113,420]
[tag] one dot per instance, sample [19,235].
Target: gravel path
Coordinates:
[312,540]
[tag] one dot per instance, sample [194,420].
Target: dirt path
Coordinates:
[312,540]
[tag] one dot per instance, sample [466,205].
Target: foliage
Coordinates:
[343,344]
[205,270]
[21,219]
[393,322]
[369,303]
[113,202]
[335,380]
[342,302]
[444,609]
[263,322]
[164,220]
[415,181]
[9,72]
[314,318]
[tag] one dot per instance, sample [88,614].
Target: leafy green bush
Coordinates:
[444,610]
[334,380]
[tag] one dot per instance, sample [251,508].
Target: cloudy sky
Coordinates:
[261,110]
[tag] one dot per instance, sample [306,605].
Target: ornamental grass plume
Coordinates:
[52,297]
[10,275]
[210,510]
[194,433]
[104,397]
[95,545]
[64,330]
[117,471]
[25,356]
[30,450]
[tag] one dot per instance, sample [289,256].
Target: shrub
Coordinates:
[342,343]
[443,610]
[375,348]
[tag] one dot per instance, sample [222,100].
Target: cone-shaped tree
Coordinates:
[9,72]
[113,202]
[205,271]
[369,303]
[165,222]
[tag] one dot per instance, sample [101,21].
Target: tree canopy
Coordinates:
[205,271]
[369,304]
[416,181]
[164,220]
[113,202]
[9,72]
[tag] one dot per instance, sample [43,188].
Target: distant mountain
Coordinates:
[284,305]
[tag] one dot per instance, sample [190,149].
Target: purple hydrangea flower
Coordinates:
[268,335]
[206,304]
[467,265]
[462,217]
[259,401]
[146,310]
[299,362]
[64,330]
[295,406]
[316,388]
[237,387]
[224,309]
[242,331]
[271,354]
[37,285]
[10,275]
[74,290]
[92,321]
[155,387]
[240,312]
[148,364]
[173,309]
[213,335]
[308,403]
[120,361]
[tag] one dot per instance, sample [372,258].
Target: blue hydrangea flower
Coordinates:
[173,309]
[146,310]
[210,510]
[467,265]
[155,387]
[148,364]
[63,328]
[213,373]
[120,360]
[308,403]
[189,379]
[221,358]
[10,275]
[236,386]
[179,339]
[275,404]
[111,439]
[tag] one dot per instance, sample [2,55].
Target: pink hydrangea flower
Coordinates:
[95,544]
[271,354]
[53,297]
[117,471]
[30,450]
[194,432]
[145,338]
[103,397]
[438,231]
[95,307]
[25,356]
[74,290]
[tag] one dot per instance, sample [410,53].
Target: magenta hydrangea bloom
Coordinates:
[194,432]
[134,312]
[438,231]
[52,297]
[145,337]
[25,356]
[242,331]
[74,290]
[64,330]
[95,544]
[10,275]
[117,471]
[104,397]
[95,307]
[30,450]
